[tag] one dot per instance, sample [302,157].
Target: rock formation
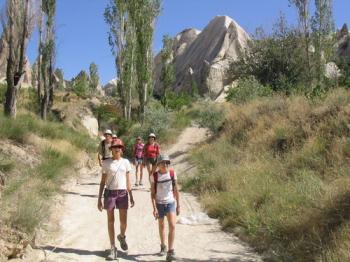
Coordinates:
[3,63]
[202,58]
[343,43]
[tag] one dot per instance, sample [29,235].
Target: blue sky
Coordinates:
[82,32]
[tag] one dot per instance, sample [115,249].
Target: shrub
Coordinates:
[211,117]
[178,101]
[246,90]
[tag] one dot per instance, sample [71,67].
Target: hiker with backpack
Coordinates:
[138,160]
[151,152]
[166,203]
[103,149]
[116,187]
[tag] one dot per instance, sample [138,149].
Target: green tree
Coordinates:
[167,76]
[143,14]
[94,76]
[303,7]
[17,28]
[123,45]
[322,28]
[80,84]
[60,77]
[274,60]
[47,55]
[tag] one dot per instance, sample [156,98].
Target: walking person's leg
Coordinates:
[161,226]
[137,173]
[111,233]
[171,217]
[141,174]
[123,215]
[110,222]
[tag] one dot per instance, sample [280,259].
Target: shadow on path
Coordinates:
[83,195]
[81,252]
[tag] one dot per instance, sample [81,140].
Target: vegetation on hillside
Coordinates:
[56,150]
[277,174]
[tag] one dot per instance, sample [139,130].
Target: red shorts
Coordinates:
[118,199]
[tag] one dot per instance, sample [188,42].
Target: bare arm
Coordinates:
[177,198]
[128,186]
[153,199]
[100,191]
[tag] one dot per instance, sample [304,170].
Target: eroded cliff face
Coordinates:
[343,43]
[202,58]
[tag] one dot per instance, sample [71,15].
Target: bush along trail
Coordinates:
[82,234]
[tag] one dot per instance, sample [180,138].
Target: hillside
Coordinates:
[277,174]
[36,159]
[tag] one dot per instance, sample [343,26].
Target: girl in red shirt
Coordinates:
[151,153]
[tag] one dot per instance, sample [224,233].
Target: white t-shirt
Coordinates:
[116,173]
[165,193]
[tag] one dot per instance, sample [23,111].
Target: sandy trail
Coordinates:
[83,230]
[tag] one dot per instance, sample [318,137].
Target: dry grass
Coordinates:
[280,170]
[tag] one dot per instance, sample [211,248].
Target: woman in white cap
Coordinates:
[151,152]
[166,203]
[103,149]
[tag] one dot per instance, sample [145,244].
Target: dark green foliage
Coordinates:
[94,76]
[246,90]
[274,60]
[177,101]
[211,117]
[80,84]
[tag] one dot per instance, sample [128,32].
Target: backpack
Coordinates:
[172,178]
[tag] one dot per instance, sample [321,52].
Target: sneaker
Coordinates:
[112,254]
[122,242]
[136,185]
[162,250]
[170,255]
[140,184]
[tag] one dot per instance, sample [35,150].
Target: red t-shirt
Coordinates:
[152,151]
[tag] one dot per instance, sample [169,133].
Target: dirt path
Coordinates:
[83,230]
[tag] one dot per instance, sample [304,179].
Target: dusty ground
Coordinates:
[82,234]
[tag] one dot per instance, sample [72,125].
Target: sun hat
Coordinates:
[138,138]
[114,136]
[108,132]
[117,143]
[152,135]
[163,158]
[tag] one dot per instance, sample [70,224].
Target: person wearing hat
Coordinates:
[116,187]
[166,203]
[151,152]
[138,154]
[103,149]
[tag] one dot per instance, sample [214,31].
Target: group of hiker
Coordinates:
[116,188]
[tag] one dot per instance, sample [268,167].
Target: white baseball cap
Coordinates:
[152,135]
[108,132]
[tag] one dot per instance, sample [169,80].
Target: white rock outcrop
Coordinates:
[204,57]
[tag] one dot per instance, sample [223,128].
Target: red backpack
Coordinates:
[172,178]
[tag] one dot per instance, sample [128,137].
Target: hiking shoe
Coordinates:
[112,254]
[170,256]
[122,242]
[162,250]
